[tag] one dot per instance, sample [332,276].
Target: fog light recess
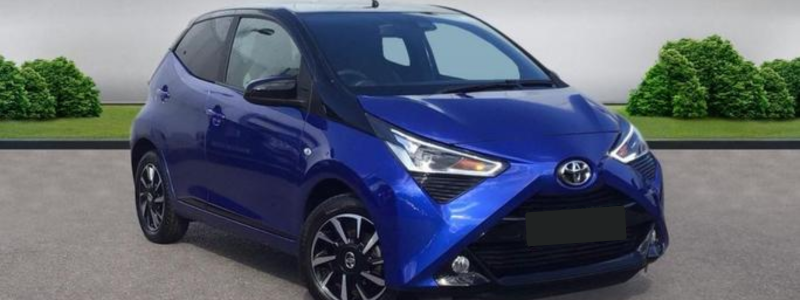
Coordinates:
[460,274]
[648,241]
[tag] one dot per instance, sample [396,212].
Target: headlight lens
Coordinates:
[424,157]
[632,147]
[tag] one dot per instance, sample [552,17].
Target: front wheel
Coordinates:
[341,256]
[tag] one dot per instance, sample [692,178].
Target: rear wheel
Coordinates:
[341,256]
[157,218]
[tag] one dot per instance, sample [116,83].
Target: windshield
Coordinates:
[394,53]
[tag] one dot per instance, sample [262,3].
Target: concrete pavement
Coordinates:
[68,231]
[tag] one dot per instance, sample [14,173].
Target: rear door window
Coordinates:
[202,50]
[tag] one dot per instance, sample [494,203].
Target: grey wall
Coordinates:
[601,47]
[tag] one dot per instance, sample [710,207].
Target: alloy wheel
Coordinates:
[151,198]
[346,259]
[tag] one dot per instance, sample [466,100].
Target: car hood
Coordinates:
[494,116]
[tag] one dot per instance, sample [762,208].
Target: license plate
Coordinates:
[575,226]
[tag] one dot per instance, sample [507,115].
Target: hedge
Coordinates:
[790,72]
[781,102]
[76,94]
[671,88]
[734,87]
[42,103]
[13,99]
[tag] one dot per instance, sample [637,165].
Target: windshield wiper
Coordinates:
[499,85]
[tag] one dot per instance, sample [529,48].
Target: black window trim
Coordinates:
[227,56]
[237,15]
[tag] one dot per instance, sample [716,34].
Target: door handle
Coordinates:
[163,93]
[216,117]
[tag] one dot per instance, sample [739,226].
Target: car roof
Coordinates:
[301,7]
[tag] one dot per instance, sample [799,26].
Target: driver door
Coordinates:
[254,151]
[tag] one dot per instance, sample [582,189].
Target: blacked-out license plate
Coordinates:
[575,226]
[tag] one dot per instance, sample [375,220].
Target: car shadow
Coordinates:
[246,252]
[633,288]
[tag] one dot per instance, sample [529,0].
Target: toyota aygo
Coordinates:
[392,149]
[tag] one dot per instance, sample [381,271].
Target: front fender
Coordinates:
[416,232]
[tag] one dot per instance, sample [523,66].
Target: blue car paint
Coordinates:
[254,150]
[251,163]
[487,116]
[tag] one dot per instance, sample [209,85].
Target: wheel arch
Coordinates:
[139,149]
[323,190]
[328,179]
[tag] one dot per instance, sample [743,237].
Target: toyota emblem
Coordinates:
[575,173]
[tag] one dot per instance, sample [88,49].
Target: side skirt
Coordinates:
[213,216]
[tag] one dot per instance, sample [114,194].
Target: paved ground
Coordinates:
[68,231]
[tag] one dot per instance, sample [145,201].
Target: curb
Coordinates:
[724,145]
[64,145]
[655,144]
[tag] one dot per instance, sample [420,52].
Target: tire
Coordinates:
[154,202]
[328,259]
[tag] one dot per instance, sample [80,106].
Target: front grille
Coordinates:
[516,258]
[444,188]
[646,166]
[603,197]
[503,251]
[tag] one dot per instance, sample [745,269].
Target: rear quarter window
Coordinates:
[203,48]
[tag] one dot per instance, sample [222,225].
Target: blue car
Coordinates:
[392,149]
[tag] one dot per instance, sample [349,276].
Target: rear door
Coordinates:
[183,86]
[255,151]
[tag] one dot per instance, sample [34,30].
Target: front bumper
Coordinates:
[503,256]
[421,237]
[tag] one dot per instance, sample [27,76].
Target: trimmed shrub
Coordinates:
[653,96]
[76,94]
[735,86]
[781,102]
[13,100]
[790,71]
[670,88]
[42,103]
[744,96]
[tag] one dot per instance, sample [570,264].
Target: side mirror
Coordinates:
[273,91]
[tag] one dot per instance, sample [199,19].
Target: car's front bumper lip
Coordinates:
[636,260]
[631,261]
[626,266]
[547,289]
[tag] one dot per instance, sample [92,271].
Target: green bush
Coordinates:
[781,102]
[734,85]
[740,93]
[670,88]
[76,94]
[42,103]
[13,100]
[790,71]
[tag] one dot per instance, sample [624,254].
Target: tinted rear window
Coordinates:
[203,48]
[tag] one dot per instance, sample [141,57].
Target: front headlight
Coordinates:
[632,147]
[424,157]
